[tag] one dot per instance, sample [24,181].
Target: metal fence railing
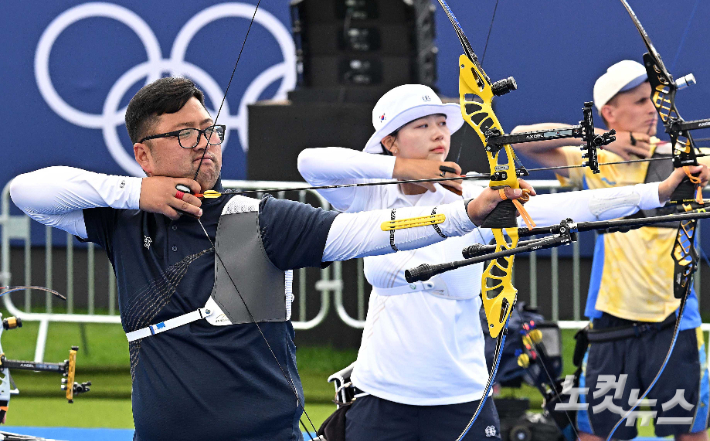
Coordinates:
[16,239]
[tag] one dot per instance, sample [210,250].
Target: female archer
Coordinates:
[421,369]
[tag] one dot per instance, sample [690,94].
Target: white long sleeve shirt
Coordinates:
[423,349]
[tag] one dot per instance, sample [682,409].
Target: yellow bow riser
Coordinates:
[662,102]
[476,98]
[498,293]
[71,372]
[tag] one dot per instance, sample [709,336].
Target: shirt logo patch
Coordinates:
[123,183]
[147,241]
[490,431]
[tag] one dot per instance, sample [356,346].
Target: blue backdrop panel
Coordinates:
[70,68]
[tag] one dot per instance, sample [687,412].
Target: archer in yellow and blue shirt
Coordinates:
[632,272]
[631,286]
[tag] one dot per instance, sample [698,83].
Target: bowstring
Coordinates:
[461,142]
[219,110]
[229,83]
[498,353]
[685,35]
[490,28]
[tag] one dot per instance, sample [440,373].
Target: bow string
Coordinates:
[684,154]
[476,92]
[287,377]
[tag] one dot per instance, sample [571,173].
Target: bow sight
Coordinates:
[585,130]
[67,369]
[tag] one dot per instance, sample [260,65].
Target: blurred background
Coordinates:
[308,76]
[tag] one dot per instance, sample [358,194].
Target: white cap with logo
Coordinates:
[404,104]
[620,77]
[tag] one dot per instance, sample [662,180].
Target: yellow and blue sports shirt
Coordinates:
[632,272]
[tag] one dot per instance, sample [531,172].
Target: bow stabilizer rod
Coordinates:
[564,233]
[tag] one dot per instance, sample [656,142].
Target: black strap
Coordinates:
[393,217]
[436,227]
[633,330]
[580,347]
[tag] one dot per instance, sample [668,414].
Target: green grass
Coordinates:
[105,384]
[51,412]
[318,413]
[102,359]
[315,365]
[100,345]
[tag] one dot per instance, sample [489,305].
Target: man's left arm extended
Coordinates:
[297,235]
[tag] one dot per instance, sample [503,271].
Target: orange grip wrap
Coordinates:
[523,212]
[695,180]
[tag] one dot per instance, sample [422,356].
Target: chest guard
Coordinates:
[243,263]
[261,285]
[658,171]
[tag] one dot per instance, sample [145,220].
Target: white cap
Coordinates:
[620,77]
[404,104]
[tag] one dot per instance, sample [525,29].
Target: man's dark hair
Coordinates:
[166,95]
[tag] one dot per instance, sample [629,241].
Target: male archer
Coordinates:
[631,287]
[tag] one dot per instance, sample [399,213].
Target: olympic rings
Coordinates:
[152,69]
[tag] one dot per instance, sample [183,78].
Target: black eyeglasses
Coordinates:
[189,138]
